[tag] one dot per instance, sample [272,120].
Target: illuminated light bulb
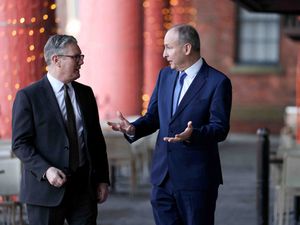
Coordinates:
[32,57]
[145,97]
[33,20]
[46,68]
[14,33]
[53,6]
[173,2]
[31,47]
[30,33]
[9,97]
[146,4]
[17,86]
[22,20]
[28,59]
[42,30]
[45,17]
[144,112]
[165,11]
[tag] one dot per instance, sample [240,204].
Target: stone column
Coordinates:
[111,38]
[25,28]
[157,19]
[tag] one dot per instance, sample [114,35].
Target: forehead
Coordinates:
[171,36]
[72,48]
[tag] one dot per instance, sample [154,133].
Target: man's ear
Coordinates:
[187,48]
[56,60]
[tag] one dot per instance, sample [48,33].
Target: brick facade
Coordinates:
[259,94]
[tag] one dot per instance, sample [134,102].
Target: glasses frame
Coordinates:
[77,58]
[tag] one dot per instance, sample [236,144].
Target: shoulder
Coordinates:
[35,86]
[215,74]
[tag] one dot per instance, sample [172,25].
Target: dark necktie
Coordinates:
[72,132]
[177,91]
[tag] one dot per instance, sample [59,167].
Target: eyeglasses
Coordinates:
[77,58]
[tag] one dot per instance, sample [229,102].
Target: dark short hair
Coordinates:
[188,34]
[56,45]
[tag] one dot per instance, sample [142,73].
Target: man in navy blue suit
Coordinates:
[190,106]
[57,136]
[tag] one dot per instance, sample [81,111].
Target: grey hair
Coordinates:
[188,34]
[56,45]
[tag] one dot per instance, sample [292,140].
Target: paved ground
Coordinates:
[237,197]
[236,203]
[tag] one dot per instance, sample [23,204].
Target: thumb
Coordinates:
[190,125]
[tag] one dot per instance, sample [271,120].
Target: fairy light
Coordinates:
[24,30]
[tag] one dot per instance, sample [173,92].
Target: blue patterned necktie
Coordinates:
[177,91]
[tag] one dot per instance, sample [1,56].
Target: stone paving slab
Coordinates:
[236,204]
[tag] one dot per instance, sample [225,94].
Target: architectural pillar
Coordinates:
[298,97]
[25,27]
[156,21]
[111,39]
[183,11]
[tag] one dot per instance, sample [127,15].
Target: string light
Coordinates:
[23,57]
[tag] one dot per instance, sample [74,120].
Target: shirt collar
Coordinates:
[194,69]
[56,84]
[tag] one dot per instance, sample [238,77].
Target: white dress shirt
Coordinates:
[191,74]
[58,89]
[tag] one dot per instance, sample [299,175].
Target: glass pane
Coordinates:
[259,37]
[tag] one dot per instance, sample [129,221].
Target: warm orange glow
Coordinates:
[145,97]
[17,86]
[31,47]
[42,30]
[33,20]
[31,32]
[9,97]
[45,17]
[22,20]
[14,33]
[53,6]
[173,2]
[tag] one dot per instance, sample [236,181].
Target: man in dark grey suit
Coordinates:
[57,136]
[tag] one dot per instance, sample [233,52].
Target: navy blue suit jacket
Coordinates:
[207,103]
[40,140]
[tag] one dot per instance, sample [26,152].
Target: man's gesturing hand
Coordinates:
[123,125]
[184,136]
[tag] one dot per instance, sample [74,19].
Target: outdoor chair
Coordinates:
[10,177]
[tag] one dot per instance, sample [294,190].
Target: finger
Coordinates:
[166,138]
[120,115]
[190,124]
[62,176]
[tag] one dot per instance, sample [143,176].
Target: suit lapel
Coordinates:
[194,88]
[52,102]
[81,99]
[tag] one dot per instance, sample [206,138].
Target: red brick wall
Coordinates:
[259,97]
